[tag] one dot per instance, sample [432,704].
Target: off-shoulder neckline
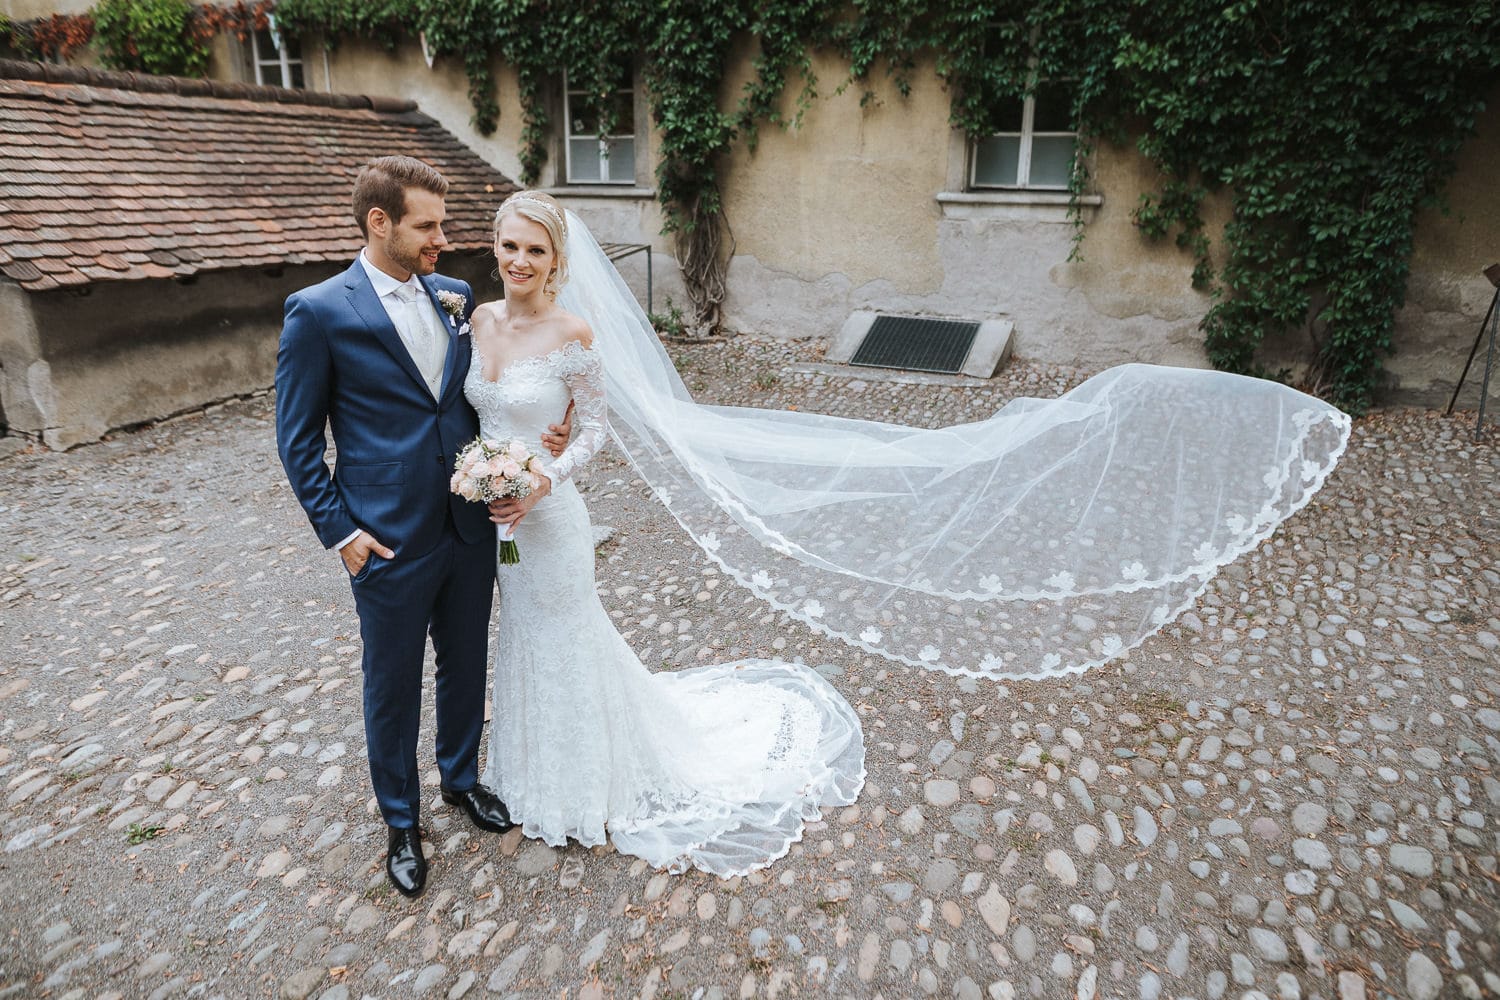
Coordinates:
[529,359]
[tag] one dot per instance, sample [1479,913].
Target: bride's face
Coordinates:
[525,255]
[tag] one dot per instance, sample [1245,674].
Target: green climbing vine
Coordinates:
[1326,127]
[688,46]
[58,36]
[167,37]
[151,36]
[1329,130]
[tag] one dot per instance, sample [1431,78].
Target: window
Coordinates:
[593,157]
[1035,145]
[277,60]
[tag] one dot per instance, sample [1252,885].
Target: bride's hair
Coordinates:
[543,209]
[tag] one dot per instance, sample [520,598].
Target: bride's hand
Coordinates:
[511,511]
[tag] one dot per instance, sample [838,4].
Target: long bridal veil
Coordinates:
[1046,539]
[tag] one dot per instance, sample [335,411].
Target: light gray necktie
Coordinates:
[418,335]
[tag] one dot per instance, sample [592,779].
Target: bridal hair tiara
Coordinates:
[546,207]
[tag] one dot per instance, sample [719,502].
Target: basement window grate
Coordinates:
[940,346]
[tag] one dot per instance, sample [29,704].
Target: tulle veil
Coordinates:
[1045,539]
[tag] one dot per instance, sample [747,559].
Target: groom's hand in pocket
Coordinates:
[556,438]
[357,552]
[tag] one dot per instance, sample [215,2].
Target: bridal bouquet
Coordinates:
[488,470]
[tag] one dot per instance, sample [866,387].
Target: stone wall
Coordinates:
[75,366]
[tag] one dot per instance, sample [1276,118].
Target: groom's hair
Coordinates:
[382,184]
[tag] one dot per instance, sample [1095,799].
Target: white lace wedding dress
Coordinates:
[715,767]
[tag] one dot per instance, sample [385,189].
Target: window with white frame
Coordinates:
[1034,146]
[593,157]
[277,60]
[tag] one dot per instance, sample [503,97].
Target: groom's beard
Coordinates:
[411,256]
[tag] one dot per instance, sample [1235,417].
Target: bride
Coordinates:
[716,767]
[1046,539]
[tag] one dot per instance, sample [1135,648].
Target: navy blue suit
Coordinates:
[342,364]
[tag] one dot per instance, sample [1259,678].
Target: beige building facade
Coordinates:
[874,205]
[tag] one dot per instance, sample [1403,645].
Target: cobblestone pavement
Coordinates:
[1292,792]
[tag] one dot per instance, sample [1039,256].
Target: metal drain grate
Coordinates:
[919,345]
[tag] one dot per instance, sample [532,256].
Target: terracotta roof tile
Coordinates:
[22,271]
[120,176]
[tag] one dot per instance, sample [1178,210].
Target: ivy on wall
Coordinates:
[55,37]
[591,39]
[150,36]
[1329,129]
[1328,126]
[240,18]
[167,37]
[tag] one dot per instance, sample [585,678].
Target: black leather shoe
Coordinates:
[405,864]
[483,806]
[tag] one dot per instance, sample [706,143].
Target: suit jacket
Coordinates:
[341,363]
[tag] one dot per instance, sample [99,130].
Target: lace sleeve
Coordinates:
[583,371]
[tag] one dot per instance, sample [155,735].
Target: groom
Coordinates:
[379,353]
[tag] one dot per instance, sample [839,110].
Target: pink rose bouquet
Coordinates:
[488,470]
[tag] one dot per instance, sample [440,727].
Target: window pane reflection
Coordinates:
[584,160]
[1051,160]
[996,161]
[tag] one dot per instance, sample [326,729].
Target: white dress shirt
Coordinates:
[416,320]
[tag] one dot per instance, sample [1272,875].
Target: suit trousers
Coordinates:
[446,592]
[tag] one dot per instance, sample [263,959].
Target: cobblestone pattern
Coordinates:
[1290,793]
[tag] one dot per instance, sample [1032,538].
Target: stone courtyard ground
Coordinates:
[1291,792]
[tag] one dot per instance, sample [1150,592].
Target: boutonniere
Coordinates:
[454,304]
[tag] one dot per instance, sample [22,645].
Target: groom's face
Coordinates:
[413,243]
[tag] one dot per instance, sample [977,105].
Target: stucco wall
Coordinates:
[1448,294]
[839,214]
[612,214]
[26,400]
[129,352]
[359,67]
[78,366]
[848,213]
[25,10]
[863,208]
[851,191]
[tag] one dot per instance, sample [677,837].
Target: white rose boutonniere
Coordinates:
[454,304]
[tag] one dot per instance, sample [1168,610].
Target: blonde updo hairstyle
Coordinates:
[543,209]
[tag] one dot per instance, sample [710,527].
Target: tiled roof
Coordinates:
[119,176]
